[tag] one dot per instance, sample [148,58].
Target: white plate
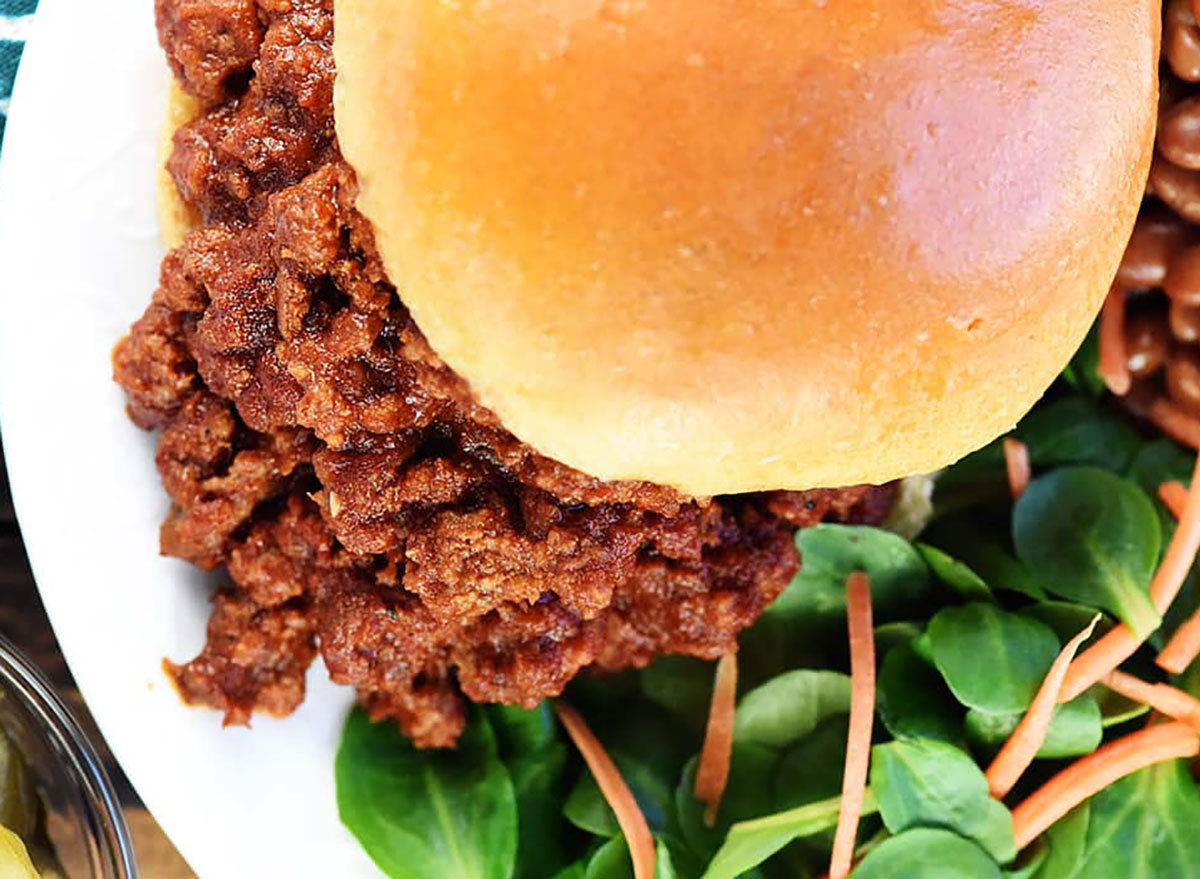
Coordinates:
[78,262]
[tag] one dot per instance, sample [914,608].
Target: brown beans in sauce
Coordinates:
[1171,90]
[1183,378]
[1157,238]
[1182,281]
[1147,342]
[1181,40]
[1179,188]
[1179,134]
[1185,322]
[1141,395]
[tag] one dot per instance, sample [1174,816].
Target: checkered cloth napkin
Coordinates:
[15,16]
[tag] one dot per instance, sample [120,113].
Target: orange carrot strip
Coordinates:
[1113,648]
[1184,645]
[1096,771]
[1027,739]
[1120,643]
[1113,366]
[1016,462]
[1163,698]
[712,773]
[1183,648]
[616,791]
[1173,494]
[862,717]
[1174,421]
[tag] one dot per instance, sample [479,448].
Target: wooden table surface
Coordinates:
[23,621]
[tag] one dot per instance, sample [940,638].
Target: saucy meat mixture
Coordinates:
[364,506]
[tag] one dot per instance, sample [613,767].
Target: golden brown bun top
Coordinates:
[751,244]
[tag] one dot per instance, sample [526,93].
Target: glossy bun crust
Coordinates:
[757,244]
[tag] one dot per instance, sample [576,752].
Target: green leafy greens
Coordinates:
[790,706]
[969,617]
[1092,537]
[928,854]
[421,814]
[925,783]
[991,659]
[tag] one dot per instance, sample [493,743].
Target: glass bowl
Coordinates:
[83,817]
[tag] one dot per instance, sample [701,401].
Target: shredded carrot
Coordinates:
[1173,494]
[1163,698]
[1120,643]
[712,773]
[862,717]
[1027,739]
[616,791]
[1113,366]
[1183,647]
[1174,421]
[1096,771]
[1113,648]
[1016,462]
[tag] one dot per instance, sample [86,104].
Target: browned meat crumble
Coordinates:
[363,505]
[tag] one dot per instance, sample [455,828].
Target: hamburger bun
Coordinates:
[738,246]
[175,216]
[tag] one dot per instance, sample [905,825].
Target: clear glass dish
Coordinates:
[83,816]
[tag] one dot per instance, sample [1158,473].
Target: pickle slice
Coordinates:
[18,800]
[14,859]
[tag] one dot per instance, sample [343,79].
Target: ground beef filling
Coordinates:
[364,506]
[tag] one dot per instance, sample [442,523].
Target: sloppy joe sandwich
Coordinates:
[498,341]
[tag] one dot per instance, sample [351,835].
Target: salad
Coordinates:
[26,851]
[962,720]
